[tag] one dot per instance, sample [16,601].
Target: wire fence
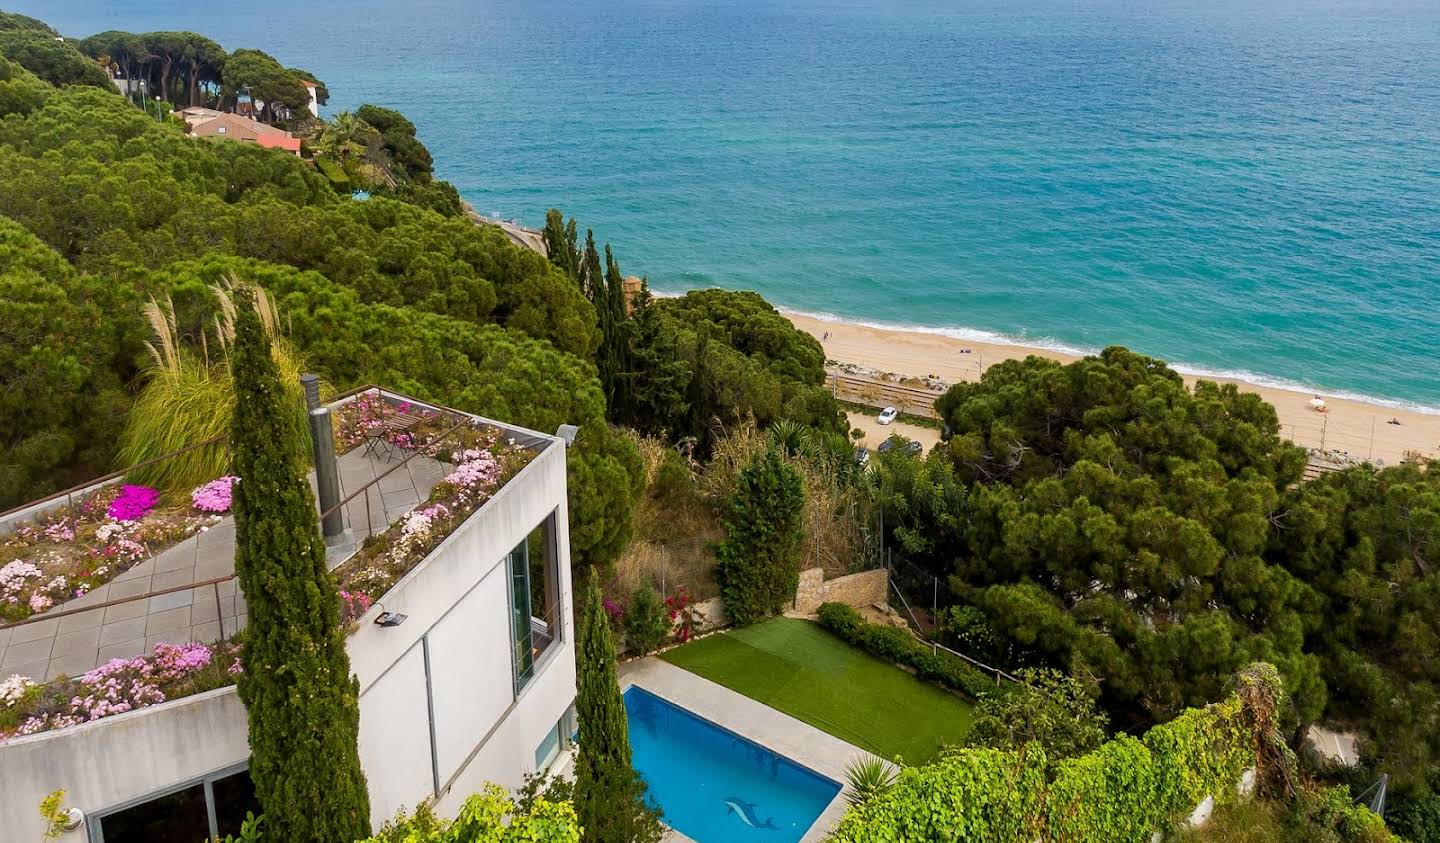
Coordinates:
[906,576]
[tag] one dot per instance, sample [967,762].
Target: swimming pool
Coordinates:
[715,786]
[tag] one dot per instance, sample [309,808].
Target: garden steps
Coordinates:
[78,643]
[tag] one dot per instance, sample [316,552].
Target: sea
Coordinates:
[1241,187]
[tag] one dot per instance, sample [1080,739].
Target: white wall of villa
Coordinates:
[440,713]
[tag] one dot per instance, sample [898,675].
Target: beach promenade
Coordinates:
[1362,430]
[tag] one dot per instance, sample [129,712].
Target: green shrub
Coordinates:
[757,566]
[899,646]
[965,628]
[1416,818]
[1049,707]
[674,481]
[647,623]
[1122,792]
[489,816]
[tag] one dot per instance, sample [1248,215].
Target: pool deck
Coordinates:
[779,732]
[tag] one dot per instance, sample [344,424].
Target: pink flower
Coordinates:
[133,503]
[214,496]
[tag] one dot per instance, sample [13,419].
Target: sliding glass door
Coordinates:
[524,657]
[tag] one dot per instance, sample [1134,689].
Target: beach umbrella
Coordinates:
[1317,403]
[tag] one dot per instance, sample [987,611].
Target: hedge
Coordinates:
[899,646]
[1124,791]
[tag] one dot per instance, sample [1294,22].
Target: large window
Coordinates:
[213,806]
[534,599]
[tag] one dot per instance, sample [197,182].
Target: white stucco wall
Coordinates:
[457,608]
[121,758]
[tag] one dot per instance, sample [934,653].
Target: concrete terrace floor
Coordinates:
[779,732]
[75,644]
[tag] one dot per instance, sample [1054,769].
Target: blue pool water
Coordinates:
[715,786]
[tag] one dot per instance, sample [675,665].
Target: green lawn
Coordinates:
[799,668]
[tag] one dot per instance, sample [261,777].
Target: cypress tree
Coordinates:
[609,794]
[560,243]
[613,358]
[302,701]
[592,280]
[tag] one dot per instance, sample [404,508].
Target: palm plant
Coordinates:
[358,147]
[869,777]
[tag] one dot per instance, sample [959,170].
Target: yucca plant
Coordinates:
[189,397]
[869,777]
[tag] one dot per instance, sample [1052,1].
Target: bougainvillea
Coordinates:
[133,503]
[683,614]
[214,496]
[353,604]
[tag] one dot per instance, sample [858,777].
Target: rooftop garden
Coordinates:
[484,460]
[67,552]
[133,520]
[797,667]
[167,672]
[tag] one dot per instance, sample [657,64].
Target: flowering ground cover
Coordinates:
[168,672]
[483,461]
[68,552]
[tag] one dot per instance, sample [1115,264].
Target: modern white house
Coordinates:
[470,679]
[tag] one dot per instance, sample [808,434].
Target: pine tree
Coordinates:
[302,701]
[757,565]
[609,794]
[560,243]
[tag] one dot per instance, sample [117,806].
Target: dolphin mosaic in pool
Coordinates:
[711,783]
[746,812]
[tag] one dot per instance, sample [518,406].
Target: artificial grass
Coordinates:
[797,667]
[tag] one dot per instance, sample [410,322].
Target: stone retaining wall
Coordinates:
[863,589]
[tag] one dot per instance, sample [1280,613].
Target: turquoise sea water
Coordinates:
[1244,186]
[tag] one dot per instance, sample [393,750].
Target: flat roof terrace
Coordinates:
[396,451]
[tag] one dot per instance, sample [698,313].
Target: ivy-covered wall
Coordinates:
[1124,791]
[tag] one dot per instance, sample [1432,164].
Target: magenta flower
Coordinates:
[133,503]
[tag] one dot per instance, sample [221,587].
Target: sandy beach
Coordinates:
[1358,428]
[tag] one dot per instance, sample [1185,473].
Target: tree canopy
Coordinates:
[1112,521]
[710,359]
[52,59]
[62,370]
[379,290]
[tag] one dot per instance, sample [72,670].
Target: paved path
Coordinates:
[799,741]
[78,643]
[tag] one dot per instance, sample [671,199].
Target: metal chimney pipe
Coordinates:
[311,383]
[327,477]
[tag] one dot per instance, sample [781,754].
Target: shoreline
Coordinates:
[1355,425]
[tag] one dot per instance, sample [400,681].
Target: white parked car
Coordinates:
[887,415]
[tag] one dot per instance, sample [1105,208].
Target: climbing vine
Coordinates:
[1125,790]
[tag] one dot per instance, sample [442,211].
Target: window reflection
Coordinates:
[178,817]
